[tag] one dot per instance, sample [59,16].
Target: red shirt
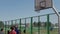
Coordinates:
[12,32]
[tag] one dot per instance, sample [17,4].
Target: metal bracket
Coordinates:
[57,13]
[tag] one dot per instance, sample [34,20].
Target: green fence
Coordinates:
[41,24]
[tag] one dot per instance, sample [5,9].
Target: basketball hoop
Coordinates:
[42,4]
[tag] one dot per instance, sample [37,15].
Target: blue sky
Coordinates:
[15,9]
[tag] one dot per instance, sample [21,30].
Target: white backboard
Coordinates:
[42,4]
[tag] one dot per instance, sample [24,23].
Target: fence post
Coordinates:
[25,25]
[20,24]
[15,22]
[31,24]
[38,24]
[8,25]
[11,22]
[5,26]
[48,24]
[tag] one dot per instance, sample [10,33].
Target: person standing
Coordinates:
[2,31]
[12,31]
[16,29]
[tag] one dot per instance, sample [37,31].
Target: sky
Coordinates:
[16,9]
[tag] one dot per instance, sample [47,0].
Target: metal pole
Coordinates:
[8,24]
[57,13]
[11,22]
[58,25]
[15,22]
[5,26]
[31,24]
[39,23]
[48,24]
[25,25]
[20,24]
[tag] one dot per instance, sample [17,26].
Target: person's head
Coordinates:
[16,26]
[12,28]
[2,29]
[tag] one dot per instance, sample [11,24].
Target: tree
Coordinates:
[1,24]
[36,24]
[39,24]
[56,25]
[48,24]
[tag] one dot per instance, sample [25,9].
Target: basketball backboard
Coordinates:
[42,4]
